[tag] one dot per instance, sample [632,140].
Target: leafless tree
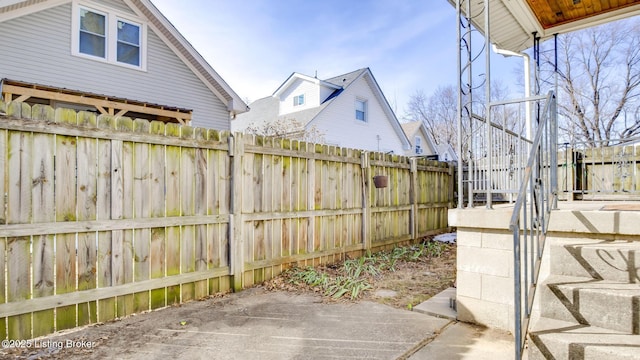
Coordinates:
[598,81]
[439,111]
[286,128]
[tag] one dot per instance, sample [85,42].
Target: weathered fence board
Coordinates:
[43,211]
[19,211]
[141,209]
[173,239]
[157,205]
[108,216]
[187,207]
[87,210]
[3,220]
[106,307]
[65,190]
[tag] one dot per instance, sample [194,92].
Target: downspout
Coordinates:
[527,83]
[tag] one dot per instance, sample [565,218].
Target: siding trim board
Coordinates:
[28,7]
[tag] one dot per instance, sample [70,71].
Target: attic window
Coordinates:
[361,110]
[418,142]
[298,100]
[105,35]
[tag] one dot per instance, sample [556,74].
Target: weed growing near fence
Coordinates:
[353,277]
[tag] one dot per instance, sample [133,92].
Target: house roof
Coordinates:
[446,149]
[414,127]
[267,109]
[294,76]
[349,78]
[514,21]
[10,9]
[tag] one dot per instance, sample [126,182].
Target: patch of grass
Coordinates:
[354,277]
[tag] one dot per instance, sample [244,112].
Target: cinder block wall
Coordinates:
[484,266]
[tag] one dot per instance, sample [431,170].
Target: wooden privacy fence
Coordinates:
[104,217]
[600,173]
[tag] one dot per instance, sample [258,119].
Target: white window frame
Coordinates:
[365,104]
[111,22]
[297,100]
[418,144]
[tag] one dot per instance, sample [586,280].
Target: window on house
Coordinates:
[93,33]
[418,142]
[103,35]
[298,100]
[128,43]
[361,110]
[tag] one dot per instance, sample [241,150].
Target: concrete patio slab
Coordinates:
[461,341]
[256,324]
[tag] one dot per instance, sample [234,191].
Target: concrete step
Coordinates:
[556,339]
[603,303]
[602,260]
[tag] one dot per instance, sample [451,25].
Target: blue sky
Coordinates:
[255,45]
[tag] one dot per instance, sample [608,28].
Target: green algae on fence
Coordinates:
[44,205]
[106,307]
[200,208]
[65,205]
[172,194]
[187,208]
[180,213]
[158,247]
[122,208]
[141,209]
[87,210]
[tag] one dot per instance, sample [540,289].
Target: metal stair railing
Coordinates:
[537,196]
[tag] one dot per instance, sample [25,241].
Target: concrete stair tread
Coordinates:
[545,325]
[602,303]
[603,244]
[556,339]
[614,260]
[589,284]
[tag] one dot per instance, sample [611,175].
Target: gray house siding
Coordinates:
[37,48]
[118,5]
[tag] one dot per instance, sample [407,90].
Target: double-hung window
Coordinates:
[105,35]
[361,110]
[298,100]
[128,43]
[93,33]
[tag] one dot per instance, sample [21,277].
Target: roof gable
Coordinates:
[10,9]
[413,128]
[267,107]
[291,80]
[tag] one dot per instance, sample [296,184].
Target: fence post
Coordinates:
[413,196]
[453,174]
[366,205]
[236,238]
[311,196]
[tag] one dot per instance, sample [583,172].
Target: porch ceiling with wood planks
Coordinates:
[512,22]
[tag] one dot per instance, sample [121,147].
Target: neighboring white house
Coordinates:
[349,110]
[119,57]
[446,153]
[421,142]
